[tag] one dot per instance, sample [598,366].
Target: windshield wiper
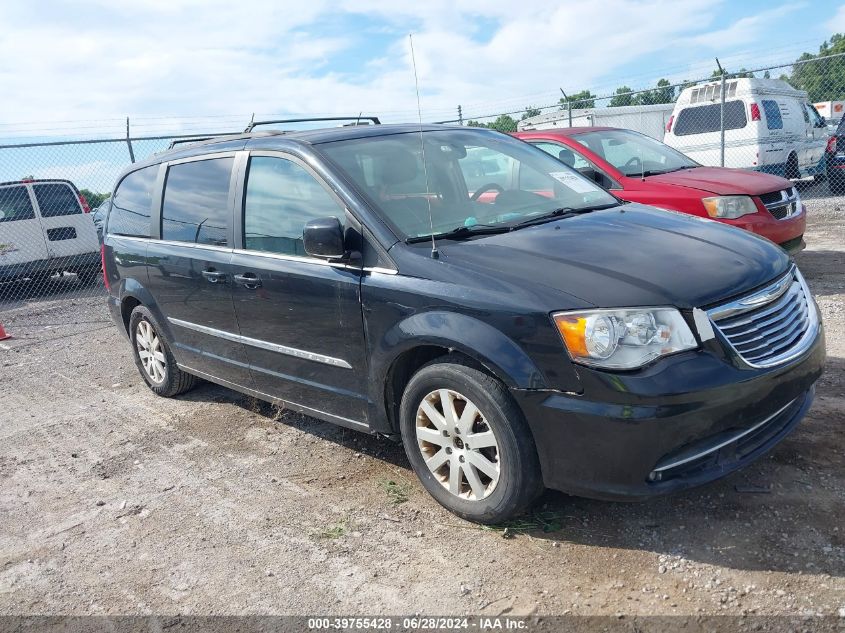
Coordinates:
[657,172]
[562,212]
[462,232]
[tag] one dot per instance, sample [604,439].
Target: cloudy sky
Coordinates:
[199,64]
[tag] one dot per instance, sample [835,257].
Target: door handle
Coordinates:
[248,280]
[214,276]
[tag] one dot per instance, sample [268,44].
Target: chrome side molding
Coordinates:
[254,342]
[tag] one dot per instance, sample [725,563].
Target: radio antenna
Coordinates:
[434,253]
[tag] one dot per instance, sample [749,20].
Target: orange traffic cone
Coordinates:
[3,334]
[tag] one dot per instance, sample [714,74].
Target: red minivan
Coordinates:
[638,168]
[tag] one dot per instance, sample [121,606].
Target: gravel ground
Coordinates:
[114,501]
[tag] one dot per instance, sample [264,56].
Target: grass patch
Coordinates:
[397,492]
[538,521]
[336,530]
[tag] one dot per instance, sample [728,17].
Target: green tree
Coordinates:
[622,97]
[530,111]
[503,123]
[583,99]
[94,199]
[742,72]
[663,93]
[823,80]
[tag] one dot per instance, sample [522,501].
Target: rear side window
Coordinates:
[132,203]
[55,199]
[15,204]
[280,198]
[196,202]
[706,118]
[774,120]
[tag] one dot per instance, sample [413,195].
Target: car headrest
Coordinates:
[398,167]
[567,156]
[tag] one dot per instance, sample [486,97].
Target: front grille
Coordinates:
[771,325]
[782,204]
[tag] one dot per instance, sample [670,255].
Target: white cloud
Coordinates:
[837,23]
[158,59]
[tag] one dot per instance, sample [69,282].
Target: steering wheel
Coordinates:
[490,186]
[632,162]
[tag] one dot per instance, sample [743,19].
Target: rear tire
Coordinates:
[836,182]
[468,442]
[88,277]
[153,358]
[792,172]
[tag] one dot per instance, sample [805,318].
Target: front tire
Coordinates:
[468,442]
[153,358]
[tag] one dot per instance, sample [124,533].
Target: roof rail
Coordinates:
[374,119]
[179,141]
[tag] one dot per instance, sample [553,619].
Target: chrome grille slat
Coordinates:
[797,326]
[797,313]
[772,332]
[788,313]
[786,298]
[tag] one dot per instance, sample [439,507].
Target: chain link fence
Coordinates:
[778,119]
[784,120]
[54,197]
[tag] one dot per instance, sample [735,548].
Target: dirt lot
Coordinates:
[114,501]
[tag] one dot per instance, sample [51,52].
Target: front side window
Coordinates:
[472,180]
[196,202]
[132,203]
[56,199]
[635,154]
[707,118]
[15,204]
[774,120]
[280,198]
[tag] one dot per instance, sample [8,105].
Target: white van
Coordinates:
[45,228]
[769,126]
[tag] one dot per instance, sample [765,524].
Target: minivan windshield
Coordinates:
[634,154]
[474,181]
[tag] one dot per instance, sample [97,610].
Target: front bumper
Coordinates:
[786,232]
[615,440]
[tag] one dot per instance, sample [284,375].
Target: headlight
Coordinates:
[729,207]
[623,338]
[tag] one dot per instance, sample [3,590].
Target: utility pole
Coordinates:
[568,105]
[721,115]
[460,116]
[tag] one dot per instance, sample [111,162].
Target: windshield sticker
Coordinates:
[573,181]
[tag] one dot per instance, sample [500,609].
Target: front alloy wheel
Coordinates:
[458,445]
[468,441]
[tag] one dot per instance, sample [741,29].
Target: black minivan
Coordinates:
[516,326]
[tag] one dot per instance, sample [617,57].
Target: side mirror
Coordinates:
[323,237]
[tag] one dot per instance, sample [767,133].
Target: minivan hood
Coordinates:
[723,181]
[630,255]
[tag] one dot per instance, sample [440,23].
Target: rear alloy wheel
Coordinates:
[150,351]
[153,358]
[468,442]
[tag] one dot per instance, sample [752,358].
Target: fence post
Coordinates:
[722,123]
[129,142]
